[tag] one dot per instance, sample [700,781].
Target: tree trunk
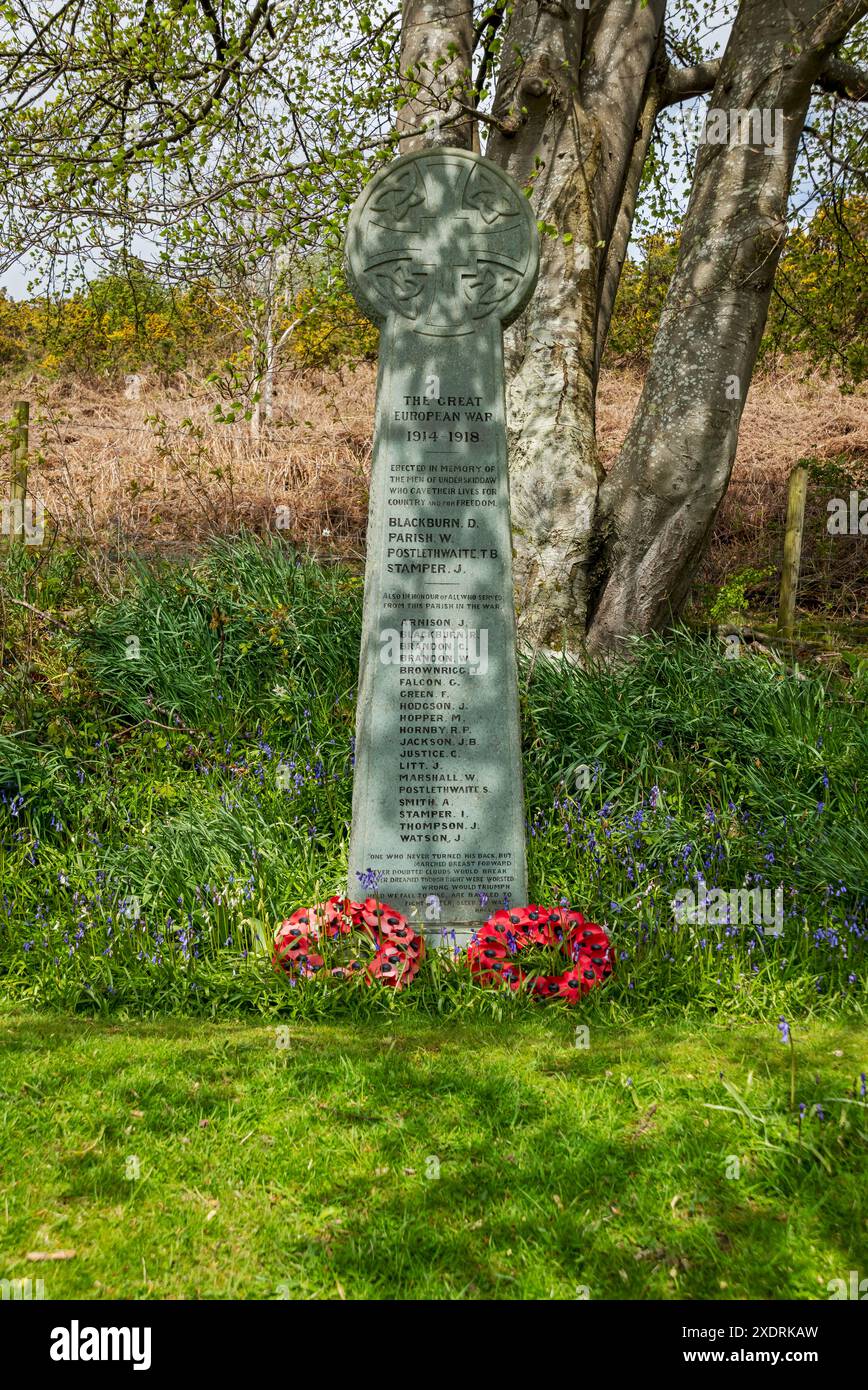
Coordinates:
[263,351]
[267,387]
[436,47]
[574,89]
[658,503]
[577,96]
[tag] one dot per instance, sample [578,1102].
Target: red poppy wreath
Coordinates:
[496,948]
[303,941]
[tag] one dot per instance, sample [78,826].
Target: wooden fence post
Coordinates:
[20,441]
[796,496]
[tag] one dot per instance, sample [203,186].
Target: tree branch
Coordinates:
[489,25]
[860,173]
[843,79]
[681,84]
[40,613]
[506,127]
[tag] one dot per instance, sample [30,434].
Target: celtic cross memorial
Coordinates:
[442,252]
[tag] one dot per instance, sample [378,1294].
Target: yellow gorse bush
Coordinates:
[126,323]
[331,329]
[818,309]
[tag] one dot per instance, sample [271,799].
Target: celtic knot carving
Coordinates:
[443,240]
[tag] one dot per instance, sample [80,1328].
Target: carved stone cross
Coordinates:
[442,251]
[444,241]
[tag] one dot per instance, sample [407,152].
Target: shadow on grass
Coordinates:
[493,1160]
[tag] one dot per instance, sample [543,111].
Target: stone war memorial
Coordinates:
[442,252]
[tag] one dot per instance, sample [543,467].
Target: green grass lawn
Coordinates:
[303,1163]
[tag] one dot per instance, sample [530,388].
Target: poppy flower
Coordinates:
[497,946]
[397,948]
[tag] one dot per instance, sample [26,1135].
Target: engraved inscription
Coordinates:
[441,249]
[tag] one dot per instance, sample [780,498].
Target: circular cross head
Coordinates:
[442,240]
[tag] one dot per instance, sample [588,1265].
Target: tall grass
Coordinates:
[160,474]
[165,800]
